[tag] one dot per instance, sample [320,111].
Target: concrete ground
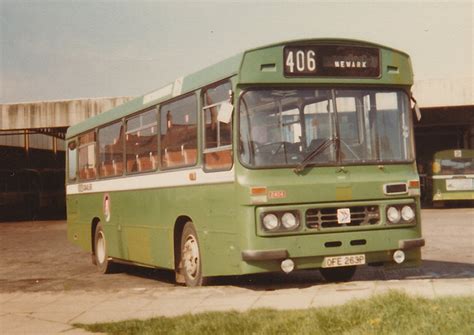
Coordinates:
[46,284]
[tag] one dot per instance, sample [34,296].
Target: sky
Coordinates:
[55,50]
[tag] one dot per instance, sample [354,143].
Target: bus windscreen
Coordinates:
[284,127]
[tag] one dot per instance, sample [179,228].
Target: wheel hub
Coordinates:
[191,256]
[100,248]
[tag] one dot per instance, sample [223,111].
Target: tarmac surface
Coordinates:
[47,285]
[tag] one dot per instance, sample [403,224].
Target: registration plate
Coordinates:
[348,260]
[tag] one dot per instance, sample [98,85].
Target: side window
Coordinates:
[179,133]
[72,161]
[142,142]
[110,150]
[217,128]
[86,156]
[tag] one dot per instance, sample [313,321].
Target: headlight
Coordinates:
[393,215]
[288,220]
[407,213]
[270,222]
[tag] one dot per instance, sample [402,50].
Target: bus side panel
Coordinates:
[79,234]
[221,248]
[147,218]
[212,208]
[141,224]
[142,229]
[82,210]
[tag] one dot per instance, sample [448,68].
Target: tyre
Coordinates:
[438,204]
[190,257]
[338,274]
[101,257]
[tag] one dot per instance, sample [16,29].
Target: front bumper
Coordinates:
[264,255]
[411,244]
[280,254]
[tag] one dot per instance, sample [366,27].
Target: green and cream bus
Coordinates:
[296,155]
[451,177]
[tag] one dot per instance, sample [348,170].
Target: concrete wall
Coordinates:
[52,114]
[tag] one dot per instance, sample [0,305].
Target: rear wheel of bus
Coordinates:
[190,264]
[338,274]
[101,256]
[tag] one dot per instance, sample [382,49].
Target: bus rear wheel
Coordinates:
[104,265]
[190,263]
[338,274]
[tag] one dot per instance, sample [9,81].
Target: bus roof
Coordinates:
[243,65]
[328,40]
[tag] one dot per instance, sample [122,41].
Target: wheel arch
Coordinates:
[177,232]
[94,223]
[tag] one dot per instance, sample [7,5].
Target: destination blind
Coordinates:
[331,61]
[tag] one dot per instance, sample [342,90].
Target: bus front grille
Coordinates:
[321,218]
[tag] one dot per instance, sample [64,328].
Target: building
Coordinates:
[32,154]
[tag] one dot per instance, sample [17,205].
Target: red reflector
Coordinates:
[258,191]
[414,184]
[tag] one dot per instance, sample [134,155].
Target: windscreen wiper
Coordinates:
[309,157]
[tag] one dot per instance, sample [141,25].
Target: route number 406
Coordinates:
[300,61]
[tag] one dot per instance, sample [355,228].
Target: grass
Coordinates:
[391,313]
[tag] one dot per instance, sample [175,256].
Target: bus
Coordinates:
[450,177]
[296,155]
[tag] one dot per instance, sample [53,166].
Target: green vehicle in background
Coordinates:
[296,155]
[450,177]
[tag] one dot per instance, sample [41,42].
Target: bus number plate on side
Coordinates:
[348,260]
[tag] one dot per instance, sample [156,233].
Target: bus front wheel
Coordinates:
[338,274]
[190,264]
[101,256]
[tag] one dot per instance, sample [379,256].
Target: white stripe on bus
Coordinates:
[153,180]
[453,176]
